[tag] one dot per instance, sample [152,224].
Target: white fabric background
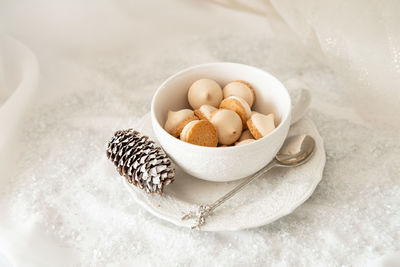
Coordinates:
[100,63]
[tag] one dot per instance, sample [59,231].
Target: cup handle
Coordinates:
[301,107]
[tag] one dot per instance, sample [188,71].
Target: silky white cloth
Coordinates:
[100,62]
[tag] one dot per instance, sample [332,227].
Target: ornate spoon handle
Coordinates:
[205,210]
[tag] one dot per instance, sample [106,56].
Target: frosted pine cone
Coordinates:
[140,161]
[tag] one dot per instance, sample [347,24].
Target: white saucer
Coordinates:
[267,199]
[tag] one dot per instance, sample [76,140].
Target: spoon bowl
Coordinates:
[296,150]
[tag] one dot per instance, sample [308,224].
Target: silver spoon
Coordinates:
[295,151]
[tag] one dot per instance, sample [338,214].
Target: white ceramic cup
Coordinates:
[222,164]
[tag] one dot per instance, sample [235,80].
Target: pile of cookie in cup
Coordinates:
[220,117]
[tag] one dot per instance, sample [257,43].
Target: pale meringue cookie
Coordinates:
[228,125]
[260,125]
[204,112]
[205,92]
[241,89]
[243,142]
[246,135]
[244,104]
[176,120]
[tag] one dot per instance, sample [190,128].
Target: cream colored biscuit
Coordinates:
[204,112]
[200,114]
[176,120]
[246,135]
[254,131]
[260,125]
[239,105]
[247,141]
[200,132]
[241,89]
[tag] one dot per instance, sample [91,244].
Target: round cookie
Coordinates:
[204,112]
[176,120]
[223,146]
[241,89]
[260,125]
[239,105]
[243,142]
[201,133]
[228,125]
[205,92]
[246,135]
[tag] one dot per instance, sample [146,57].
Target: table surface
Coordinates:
[100,63]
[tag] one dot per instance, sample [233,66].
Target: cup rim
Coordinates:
[193,146]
